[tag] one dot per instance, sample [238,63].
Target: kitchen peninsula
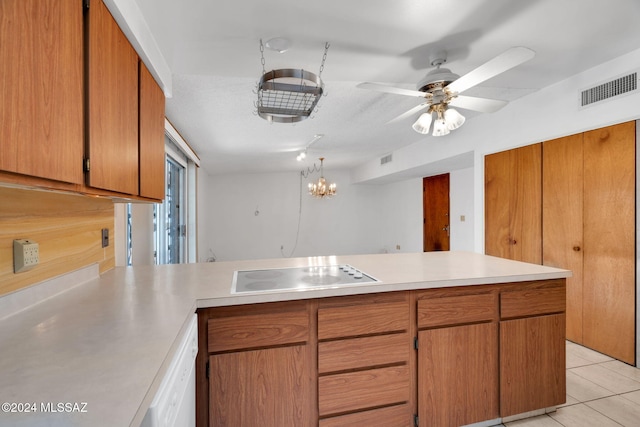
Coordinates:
[108,341]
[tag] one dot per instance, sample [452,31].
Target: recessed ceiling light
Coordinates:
[279,44]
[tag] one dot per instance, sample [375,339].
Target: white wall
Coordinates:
[256,216]
[462,199]
[359,219]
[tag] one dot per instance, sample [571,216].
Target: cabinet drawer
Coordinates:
[393,416]
[357,353]
[354,320]
[363,389]
[257,330]
[532,302]
[456,310]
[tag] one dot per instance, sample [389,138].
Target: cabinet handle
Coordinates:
[576,248]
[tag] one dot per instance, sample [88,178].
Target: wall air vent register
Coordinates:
[610,89]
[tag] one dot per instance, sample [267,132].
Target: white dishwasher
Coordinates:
[175,402]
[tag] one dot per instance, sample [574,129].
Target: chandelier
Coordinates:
[320,189]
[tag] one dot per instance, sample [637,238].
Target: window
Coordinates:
[170,230]
[163,233]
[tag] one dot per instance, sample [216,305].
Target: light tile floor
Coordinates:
[601,392]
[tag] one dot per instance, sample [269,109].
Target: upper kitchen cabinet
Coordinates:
[41,109]
[151,152]
[513,204]
[79,111]
[112,104]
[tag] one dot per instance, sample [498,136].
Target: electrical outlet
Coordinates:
[26,255]
[105,237]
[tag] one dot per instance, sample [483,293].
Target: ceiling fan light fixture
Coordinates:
[453,119]
[440,128]
[423,123]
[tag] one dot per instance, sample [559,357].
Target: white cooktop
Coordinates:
[300,278]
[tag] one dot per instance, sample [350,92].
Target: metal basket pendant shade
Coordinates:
[288,95]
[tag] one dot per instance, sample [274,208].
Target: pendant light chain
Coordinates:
[262,57]
[324,58]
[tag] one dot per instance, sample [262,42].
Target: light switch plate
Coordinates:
[26,255]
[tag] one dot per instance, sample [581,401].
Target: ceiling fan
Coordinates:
[441,90]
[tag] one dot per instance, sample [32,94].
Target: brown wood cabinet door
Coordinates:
[562,220]
[513,204]
[112,125]
[609,241]
[458,375]
[152,167]
[269,387]
[41,79]
[532,364]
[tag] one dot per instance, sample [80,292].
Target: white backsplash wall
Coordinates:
[251,216]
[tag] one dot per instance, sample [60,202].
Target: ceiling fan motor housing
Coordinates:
[436,79]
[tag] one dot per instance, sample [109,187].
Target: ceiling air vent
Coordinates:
[610,89]
[386,159]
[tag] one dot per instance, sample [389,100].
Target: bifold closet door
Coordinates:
[562,221]
[513,204]
[609,241]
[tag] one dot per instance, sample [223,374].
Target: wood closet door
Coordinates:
[609,241]
[497,205]
[513,204]
[562,206]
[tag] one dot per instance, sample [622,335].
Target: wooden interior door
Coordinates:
[562,219]
[435,202]
[609,241]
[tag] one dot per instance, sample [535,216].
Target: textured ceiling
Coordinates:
[212,48]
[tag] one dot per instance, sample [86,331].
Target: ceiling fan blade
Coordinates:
[391,89]
[501,63]
[409,113]
[484,105]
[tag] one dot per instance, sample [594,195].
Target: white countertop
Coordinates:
[108,342]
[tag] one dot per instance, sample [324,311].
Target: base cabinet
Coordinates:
[530,375]
[254,388]
[438,358]
[532,349]
[457,359]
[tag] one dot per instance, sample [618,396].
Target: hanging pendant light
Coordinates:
[423,123]
[320,189]
[447,119]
